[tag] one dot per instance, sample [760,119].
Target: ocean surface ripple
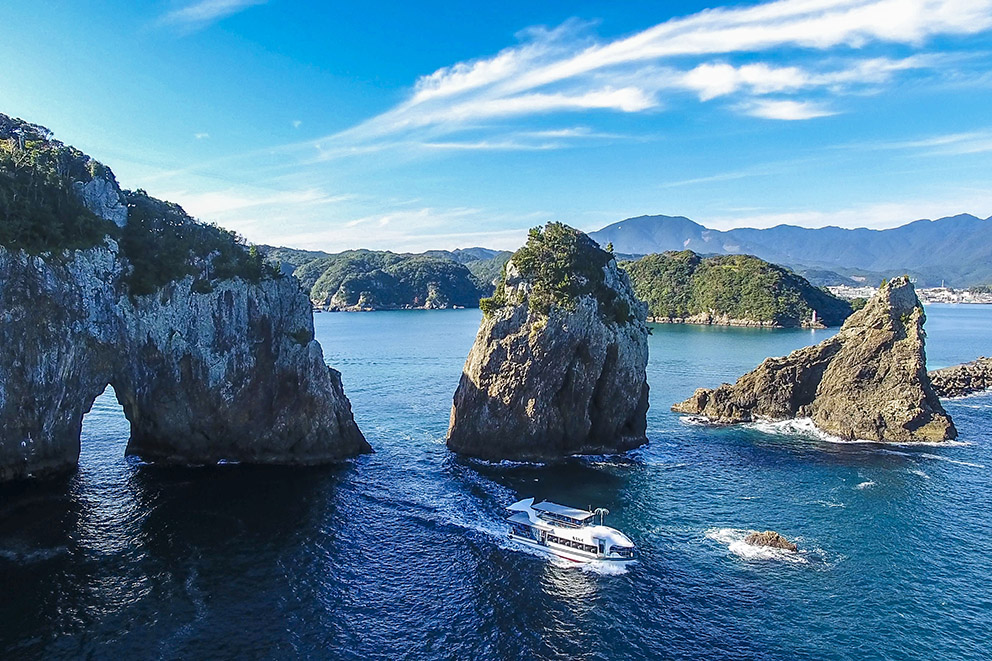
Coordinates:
[403,553]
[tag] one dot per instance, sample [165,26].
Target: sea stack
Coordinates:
[558,365]
[210,351]
[867,382]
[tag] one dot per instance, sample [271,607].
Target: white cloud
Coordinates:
[785,109]
[297,123]
[205,12]
[566,70]
[201,136]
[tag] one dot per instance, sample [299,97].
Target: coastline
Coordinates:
[707,319]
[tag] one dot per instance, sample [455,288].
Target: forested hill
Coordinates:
[730,289]
[371,280]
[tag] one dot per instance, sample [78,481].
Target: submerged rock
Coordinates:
[867,382]
[206,368]
[961,380]
[558,365]
[771,539]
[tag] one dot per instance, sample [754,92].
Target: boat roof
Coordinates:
[522,518]
[561,510]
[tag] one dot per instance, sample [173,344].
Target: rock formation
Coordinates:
[867,382]
[962,380]
[771,539]
[205,369]
[558,365]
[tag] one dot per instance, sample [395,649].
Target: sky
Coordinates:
[436,125]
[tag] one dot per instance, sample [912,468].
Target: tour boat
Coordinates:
[568,532]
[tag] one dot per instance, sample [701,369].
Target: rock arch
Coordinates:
[232,374]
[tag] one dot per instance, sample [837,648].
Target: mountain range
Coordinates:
[956,250]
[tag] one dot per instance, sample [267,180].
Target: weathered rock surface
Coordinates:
[867,382]
[961,380]
[771,539]
[226,372]
[539,386]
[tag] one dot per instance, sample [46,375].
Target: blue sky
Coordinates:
[421,125]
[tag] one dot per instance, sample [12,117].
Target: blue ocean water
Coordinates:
[402,554]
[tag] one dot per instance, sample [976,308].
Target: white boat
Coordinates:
[568,532]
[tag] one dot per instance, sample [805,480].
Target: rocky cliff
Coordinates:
[558,365]
[867,382]
[207,368]
[962,380]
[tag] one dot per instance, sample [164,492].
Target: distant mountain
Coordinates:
[956,249]
[736,290]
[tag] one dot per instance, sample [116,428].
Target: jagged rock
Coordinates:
[961,380]
[867,382]
[103,197]
[771,539]
[226,371]
[233,374]
[552,379]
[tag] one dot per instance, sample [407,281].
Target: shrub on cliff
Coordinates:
[163,244]
[562,264]
[39,211]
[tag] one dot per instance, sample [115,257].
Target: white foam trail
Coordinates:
[916,471]
[695,420]
[734,538]
[803,427]
[935,457]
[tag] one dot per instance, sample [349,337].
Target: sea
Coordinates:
[403,554]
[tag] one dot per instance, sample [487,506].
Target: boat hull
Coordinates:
[569,553]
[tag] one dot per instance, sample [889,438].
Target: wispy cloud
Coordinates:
[565,70]
[200,14]
[786,110]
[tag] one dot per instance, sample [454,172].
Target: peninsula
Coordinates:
[730,290]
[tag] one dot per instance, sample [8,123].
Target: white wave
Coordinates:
[605,568]
[695,420]
[802,427]
[867,484]
[734,538]
[971,395]
[825,503]
[918,472]
[937,457]
[934,457]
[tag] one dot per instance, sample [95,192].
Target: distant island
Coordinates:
[956,251]
[732,290]
[382,280]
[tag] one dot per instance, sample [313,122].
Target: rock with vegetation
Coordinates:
[210,351]
[734,290]
[961,380]
[558,365]
[869,381]
[770,539]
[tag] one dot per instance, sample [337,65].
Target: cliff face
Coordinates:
[568,380]
[867,382]
[205,370]
[965,379]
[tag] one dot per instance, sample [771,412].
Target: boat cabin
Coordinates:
[563,516]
